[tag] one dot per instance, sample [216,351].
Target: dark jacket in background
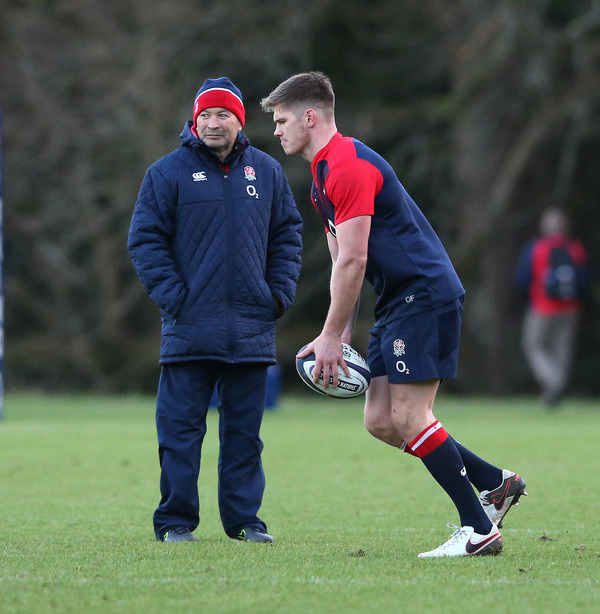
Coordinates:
[213,244]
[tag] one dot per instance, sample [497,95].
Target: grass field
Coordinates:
[79,483]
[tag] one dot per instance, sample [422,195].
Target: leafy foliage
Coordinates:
[488,110]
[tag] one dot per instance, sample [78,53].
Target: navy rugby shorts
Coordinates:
[417,347]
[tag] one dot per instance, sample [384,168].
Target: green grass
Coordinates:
[79,483]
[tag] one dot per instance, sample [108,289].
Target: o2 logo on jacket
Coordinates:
[252,191]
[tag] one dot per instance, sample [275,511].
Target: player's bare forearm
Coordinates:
[349,255]
[349,330]
[346,283]
[349,252]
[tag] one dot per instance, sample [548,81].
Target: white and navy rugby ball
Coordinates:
[348,387]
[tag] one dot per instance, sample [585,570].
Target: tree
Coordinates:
[488,110]
[525,93]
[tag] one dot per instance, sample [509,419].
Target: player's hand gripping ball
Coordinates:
[348,387]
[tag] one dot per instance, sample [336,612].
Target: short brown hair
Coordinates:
[304,89]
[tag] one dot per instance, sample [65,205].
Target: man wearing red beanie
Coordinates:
[220,92]
[215,239]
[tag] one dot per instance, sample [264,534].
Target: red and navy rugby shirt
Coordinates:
[408,266]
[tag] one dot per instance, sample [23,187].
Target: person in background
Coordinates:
[375,231]
[215,238]
[553,272]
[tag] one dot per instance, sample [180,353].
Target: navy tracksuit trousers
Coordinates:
[184,394]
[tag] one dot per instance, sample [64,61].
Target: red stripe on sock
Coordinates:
[406,448]
[430,439]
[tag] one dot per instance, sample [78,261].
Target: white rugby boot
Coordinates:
[465,542]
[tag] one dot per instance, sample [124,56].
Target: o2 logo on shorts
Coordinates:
[402,368]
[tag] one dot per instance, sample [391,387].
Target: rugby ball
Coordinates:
[348,387]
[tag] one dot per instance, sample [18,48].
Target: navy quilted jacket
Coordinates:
[213,244]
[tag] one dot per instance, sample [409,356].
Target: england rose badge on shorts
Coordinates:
[399,347]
